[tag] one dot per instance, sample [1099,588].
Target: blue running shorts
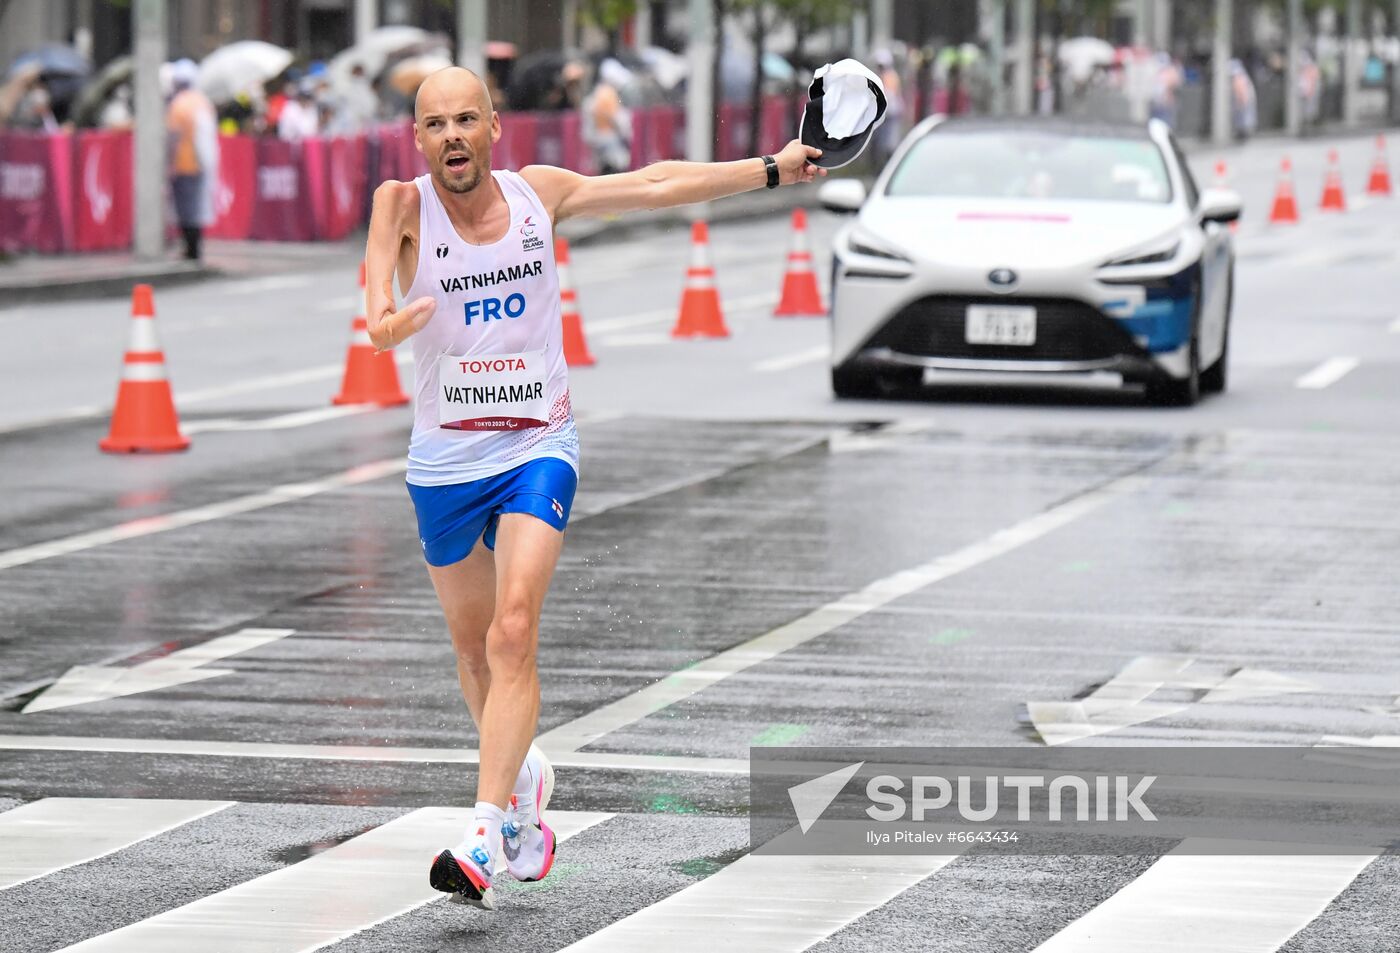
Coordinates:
[452,518]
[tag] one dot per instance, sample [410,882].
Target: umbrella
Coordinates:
[378,48]
[88,107]
[408,74]
[534,77]
[54,59]
[668,68]
[1083,53]
[239,67]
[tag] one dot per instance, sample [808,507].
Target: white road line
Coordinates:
[1395,326]
[785,362]
[845,441]
[1234,903]
[1327,373]
[293,752]
[680,685]
[84,684]
[349,304]
[669,314]
[765,904]
[300,418]
[270,283]
[640,339]
[335,894]
[200,514]
[45,836]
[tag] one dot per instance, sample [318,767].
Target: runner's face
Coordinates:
[454,130]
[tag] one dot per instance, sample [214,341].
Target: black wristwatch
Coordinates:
[771,164]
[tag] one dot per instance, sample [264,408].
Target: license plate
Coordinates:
[988,324]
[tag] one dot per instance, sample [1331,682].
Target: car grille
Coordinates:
[1065,330]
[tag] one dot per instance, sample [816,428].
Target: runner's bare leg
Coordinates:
[467,592]
[526,552]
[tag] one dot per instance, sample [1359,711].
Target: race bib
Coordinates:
[494,392]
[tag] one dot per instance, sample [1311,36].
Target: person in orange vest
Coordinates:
[192,135]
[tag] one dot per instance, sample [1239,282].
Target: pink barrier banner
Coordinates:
[73,192]
[518,144]
[658,133]
[102,211]
[282,195]
[335,180]
[411,162]
[346,168]
[559,141]
[36,192]
[234,197]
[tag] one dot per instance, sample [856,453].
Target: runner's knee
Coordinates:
[512,637]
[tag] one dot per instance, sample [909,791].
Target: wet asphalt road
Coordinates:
[724,495]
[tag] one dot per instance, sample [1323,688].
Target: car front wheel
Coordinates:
[1170,392]
[854,382]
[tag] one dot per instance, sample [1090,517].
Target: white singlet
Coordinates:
[492,300]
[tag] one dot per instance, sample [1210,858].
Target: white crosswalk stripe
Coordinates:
[765,903]
[333,895]
[39,838]
[1222,896]
[1230,903]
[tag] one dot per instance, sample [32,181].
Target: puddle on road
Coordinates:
[296,853]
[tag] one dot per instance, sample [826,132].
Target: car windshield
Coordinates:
[1029,164]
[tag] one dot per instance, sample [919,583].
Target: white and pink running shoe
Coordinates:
[528,841]
[465,872]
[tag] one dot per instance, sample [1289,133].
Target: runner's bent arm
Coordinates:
[663,184]
[393,220]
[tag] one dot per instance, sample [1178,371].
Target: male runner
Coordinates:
[494,453]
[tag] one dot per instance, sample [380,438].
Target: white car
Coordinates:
[1032,248]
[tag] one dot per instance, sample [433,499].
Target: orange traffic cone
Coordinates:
[370,378]
[1333,198]
[800,292]
[144,419]
[700,314]
[575,346]
[1285,208]
[1379,183]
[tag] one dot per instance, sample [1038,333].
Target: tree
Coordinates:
[806,17]
[608,16]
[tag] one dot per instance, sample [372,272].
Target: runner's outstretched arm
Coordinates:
[392,214]
[663,184]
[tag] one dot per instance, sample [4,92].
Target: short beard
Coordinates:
[463,186]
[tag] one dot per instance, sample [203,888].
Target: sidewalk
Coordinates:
[34,279]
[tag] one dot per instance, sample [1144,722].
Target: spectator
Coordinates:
[116,112]
[1244,111]
[358,107]
[607,129]
[300,118]
[190,123]
[892,129]
[35,111]
[1164,89]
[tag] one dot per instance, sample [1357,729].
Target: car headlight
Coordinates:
[1154,257]
[863,242]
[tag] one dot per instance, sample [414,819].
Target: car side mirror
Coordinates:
[842,195]
[1220,205]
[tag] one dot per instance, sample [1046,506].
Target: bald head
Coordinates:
[448,91]
[454,126]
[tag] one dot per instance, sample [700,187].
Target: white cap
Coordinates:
[183,72]
[845,104]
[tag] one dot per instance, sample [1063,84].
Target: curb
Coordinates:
[51,286]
